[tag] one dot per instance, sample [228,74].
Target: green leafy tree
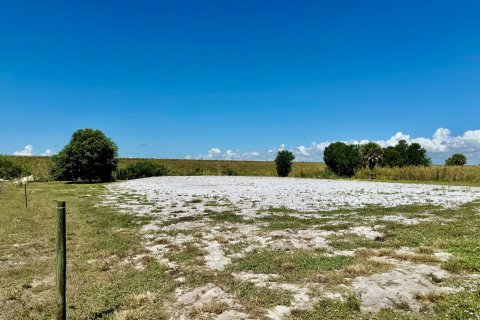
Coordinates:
[89,156]
[404,154]
[342,159]
[456,159]
[283,163]
[417,156]
[391,158]
[402,148]
[372,153]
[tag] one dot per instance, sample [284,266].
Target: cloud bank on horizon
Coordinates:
[439,147]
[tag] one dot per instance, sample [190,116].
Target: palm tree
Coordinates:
[372,153]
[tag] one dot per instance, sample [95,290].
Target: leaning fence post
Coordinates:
[61,257]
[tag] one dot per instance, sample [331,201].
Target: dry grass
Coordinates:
[432,173]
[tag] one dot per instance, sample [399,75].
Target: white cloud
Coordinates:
[47,153]
[302,151]
[440,146]
[213,152]
[27,151]
[230,154]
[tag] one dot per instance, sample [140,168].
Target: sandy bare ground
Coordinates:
[183,211]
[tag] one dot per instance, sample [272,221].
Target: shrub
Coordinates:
[142,169]
[342,159]
[456,159]
[195,172]
[9,169]
[89,156]
[372,153]
[283,163]
[229,172]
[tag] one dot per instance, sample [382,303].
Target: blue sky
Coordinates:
[237,79]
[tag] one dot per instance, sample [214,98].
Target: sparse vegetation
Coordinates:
[113,276]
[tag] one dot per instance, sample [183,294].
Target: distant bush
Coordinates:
[142,169]
[9,169]
[283,163]
[342,159]
[229,172]
[456,159]
[89,156]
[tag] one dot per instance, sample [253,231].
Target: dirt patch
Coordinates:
[398,286]
[193,303]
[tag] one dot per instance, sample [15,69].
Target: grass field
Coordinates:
[40,167]
[150,251]
[102,275]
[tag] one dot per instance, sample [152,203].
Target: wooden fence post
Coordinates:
[26,200]
[61,256]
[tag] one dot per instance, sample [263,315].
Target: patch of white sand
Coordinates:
[386,290]
[202,296]
[249,194]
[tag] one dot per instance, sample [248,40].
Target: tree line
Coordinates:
[344,159]
[91,156]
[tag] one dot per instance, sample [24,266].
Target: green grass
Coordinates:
[190,254]
[101,287]
[223,216]
[295,266]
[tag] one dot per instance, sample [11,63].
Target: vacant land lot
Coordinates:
[245,248]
